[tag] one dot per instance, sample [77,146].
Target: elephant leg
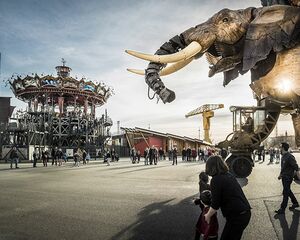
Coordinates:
[296,123]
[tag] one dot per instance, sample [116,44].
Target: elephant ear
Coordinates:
[274,29]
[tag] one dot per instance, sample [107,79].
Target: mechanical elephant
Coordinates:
[234,42]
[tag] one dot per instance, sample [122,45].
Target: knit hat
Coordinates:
[203,177]
[205,197]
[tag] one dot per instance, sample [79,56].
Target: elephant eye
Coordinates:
[225,19]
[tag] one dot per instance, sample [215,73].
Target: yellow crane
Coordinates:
[207,112]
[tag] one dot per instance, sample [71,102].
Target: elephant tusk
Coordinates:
[167,70]
[136,71]
[191,50]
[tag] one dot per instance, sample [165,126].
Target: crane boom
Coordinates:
[204,108]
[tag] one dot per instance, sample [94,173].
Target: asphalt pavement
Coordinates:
[128,201]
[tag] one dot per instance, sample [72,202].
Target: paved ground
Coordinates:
[126,201]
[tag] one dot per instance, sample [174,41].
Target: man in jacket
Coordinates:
[288,168]
[14,157]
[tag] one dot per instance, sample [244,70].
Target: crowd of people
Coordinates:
[110,155]
[152,155]
[56,156]
[273,153]
[202,153]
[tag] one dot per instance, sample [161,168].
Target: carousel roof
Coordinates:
[30,87]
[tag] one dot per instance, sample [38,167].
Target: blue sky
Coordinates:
[92,37]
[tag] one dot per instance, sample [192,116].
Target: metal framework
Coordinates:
[61,113]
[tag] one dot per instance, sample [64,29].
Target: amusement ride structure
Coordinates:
[61,113]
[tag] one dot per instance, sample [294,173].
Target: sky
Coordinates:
[91,35]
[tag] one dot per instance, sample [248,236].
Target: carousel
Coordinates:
[61,112]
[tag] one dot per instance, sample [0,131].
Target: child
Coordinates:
[207,231]
[203,185]
[203,182]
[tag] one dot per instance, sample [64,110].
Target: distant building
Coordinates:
[141,138]
[275,141]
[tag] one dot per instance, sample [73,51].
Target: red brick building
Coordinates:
[141,138]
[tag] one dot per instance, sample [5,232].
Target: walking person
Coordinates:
[65,157]
[34,156]
[272,155]
[146,156]
[277,155]
[194,154]
[228,195]
[263,154]
[170,154]
[183,154]
[188,154]
[138,156]
[14,157]
[53,155]
[107,157]
[44,158]
[56,156]
[59,156]
[84,157]
[76,158]
[161,154]
[151,155]
[155,155]
[288,168]
[112,154]
[259,154]
[205,154]
[88,157]
[174,156]
[133,155]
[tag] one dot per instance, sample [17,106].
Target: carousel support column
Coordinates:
[61,111]
[91,118]
[61,106]
[35,105]
[74,115]
[85,106]
[93,110]
[44,112]
[75,99]
[29,106]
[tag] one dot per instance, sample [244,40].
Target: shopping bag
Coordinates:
[297,177]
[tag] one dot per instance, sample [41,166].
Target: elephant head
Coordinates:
[234,42]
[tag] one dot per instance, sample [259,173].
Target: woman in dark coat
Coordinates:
[228,195]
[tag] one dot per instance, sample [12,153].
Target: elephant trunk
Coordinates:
[194,42]
[152,72]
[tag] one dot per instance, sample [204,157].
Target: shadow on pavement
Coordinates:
[289,232]
[285,225]
[163,220]
[147,167]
